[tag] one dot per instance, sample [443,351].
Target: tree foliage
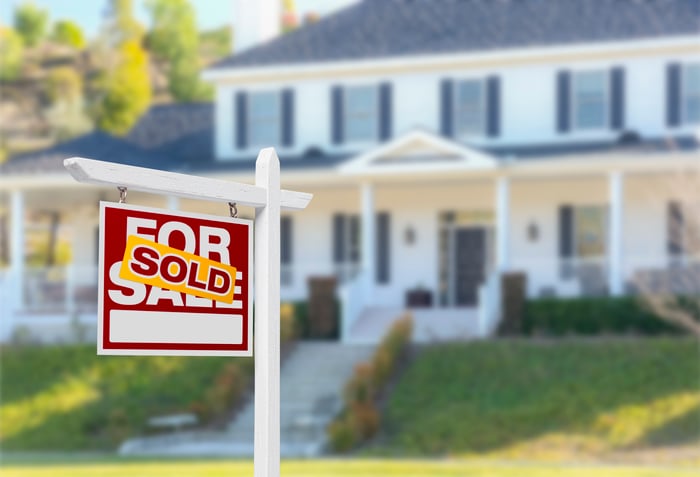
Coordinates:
[63,84]
[11,54]
[126,91]
[31,23]
[175,40]
[68,33]
[121,25]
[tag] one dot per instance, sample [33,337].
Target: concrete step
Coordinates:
[311,379]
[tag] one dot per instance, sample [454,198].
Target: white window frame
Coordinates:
[684,94]
[346,114]
[250,120]
[483,106]
[573,97]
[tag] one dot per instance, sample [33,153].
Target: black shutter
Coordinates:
[286,246]
[241,120]
[339,238]
[617,100]
[383,247]
[337,115]
[493,104]
[288,117]
[446,108]
[566,239]
[563,101]
[673,94]
[674,227]
[385,111]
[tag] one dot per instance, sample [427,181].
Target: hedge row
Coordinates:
[592,316]
[360,419]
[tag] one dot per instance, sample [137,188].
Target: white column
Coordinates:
[173,202]
[502,223]
[267,318]
[368,240]
[17,245]
[617,193]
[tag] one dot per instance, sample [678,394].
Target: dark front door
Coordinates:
[469,261]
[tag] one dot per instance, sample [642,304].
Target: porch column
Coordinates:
[173,202]
[17,246]
[368,235]
[502,223]
[616,197]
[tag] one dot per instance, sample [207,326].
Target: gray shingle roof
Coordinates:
[390,28]
[95,145]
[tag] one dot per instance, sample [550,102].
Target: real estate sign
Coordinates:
[173,283]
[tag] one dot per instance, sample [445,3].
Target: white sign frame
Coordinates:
[267,198]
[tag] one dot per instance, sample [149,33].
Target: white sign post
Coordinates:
[268,199]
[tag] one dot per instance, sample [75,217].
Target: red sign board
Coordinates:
[173,283]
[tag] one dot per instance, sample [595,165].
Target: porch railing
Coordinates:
[60,289]
[547,277]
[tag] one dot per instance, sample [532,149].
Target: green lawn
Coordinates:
[331,468]
[68,398]
[556,400]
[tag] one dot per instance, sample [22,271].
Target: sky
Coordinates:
[210,13]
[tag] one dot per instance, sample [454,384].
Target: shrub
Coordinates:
[591,316]
[360,420]
[342,435]
[288,325]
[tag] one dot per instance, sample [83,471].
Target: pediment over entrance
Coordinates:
[418,151]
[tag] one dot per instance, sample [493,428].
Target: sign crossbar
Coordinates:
[90,171]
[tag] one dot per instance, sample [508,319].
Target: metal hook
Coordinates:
[233,210]
[122,194]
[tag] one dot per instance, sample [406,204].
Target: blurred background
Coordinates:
[498,274]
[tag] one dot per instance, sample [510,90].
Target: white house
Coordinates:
[446,142]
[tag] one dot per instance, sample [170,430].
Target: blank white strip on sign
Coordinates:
[239,275]
[237,290]
[130,326]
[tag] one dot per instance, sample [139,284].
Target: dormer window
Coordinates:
[360,113]
[691,93]
[264,118]
[590,99]
[470,107]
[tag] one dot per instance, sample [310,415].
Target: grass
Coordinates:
[557,400]
[355,468]
[67,398]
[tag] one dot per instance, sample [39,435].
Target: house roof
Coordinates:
[96,144]
[395,28]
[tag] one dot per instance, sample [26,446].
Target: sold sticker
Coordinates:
[159,265]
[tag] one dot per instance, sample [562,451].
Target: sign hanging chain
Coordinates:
[122,194]
[233,210]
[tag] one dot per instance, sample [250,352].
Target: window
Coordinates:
[470,108]
[691,93]
[590,100]
[263,119]
[590,231]
[361,106]
[347,245]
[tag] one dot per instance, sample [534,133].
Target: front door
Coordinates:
[469,263]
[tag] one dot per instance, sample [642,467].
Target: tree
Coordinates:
[63,84]
[68,33]
[126,91]
[11,54]
[289,20]
[175,40]
[31,23]
[121,25]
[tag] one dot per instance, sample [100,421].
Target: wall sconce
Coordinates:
[533,232]
[410,235]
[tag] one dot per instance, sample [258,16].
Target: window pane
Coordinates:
[263,119]
[691,93]
[590,231]
[590,101]
[360,113]
[470,107]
